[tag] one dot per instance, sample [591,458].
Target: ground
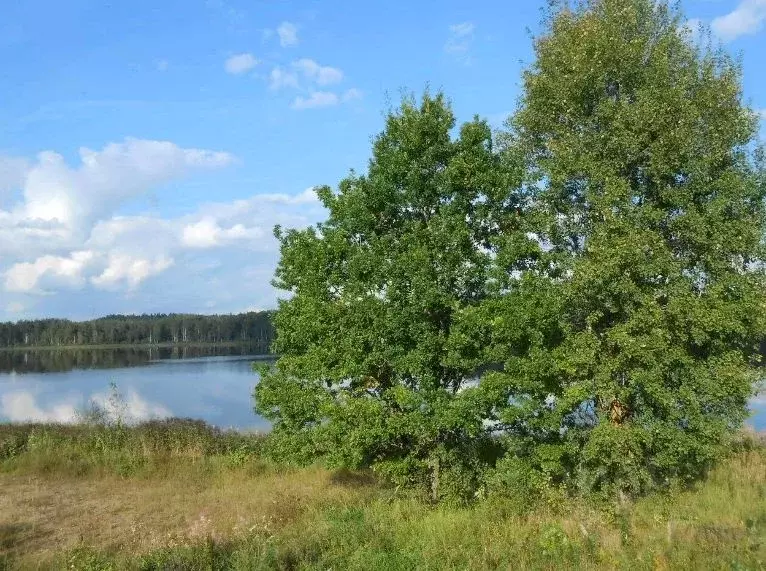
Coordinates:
[166,497]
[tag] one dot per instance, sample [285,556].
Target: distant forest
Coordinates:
[175,328]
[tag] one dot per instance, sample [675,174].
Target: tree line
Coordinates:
[150,329]
[605,249]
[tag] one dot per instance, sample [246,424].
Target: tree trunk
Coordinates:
[435,479]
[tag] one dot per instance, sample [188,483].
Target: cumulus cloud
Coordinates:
[746,19]
[146,235]
[54,191]
[306,197]
[311,79]
[240,63]
[221,257]
[108,271]
[309,70]
[288,34]
[459,41]
[127,270]
[281,78]
[59,203]
[54,270]
[315,99]
[67,248]
[206,233]
[320,74]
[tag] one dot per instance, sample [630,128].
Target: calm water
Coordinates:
[57,385]
[212,384]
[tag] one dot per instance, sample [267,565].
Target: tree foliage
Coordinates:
[639,152]
[601,261]
[364,378]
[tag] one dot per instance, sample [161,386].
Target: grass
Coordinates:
[181,495]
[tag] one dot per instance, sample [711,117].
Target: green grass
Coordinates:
[181,495]
[104,448]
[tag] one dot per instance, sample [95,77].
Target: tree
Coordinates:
[628,361]
[365,376]
[603,266]
[156,328]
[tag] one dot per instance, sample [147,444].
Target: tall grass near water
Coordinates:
[101,448]
[180,494]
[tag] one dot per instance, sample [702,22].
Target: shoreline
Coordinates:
[148,346]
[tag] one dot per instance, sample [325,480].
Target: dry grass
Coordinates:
[43,516]
[223,509]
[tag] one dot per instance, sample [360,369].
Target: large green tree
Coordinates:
[628,356]
[365,376]
[604,262]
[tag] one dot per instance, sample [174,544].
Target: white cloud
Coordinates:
[206,233]
[463,29]
[747,18]
[316,99]
[280,78]
[311,72]
[320,74]
[288,34]
[58,271]
[124,269]
[163,264]
[309,77]
[459,41]
[306,197]
[240,63]
[54,191]
[762,113]
[65,248]
[325,99]
[59,203]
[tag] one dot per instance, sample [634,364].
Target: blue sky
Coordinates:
[148,148]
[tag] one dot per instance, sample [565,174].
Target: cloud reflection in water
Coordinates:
[24,406]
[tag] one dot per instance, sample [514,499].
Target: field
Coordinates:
[180,495]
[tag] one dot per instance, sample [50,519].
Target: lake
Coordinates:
[214,384]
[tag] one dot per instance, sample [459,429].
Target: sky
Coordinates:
[148,148]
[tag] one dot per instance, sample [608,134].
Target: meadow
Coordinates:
[179,494]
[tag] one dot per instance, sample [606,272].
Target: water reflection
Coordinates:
[23,406]
[216,389]
[57,360]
